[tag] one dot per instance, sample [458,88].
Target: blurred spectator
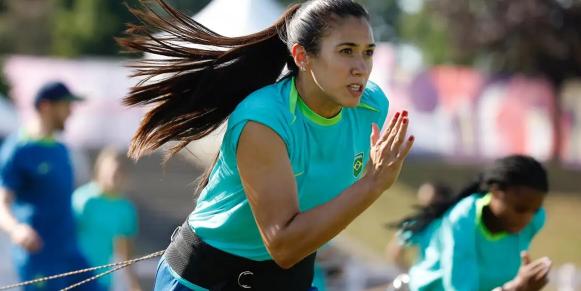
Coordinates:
[479,240]
[327,266]
[429,193]
[36,183]
[106,221]
[320,276]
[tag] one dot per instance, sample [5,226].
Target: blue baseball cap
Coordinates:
[54,91]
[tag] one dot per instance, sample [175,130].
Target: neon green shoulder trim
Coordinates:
[295,99]
[480,204]
[368,107]
[293,96]
[47,141]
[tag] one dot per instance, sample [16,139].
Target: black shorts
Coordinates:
[211,268]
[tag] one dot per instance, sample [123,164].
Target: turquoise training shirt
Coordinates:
[101,219]
[327,156]
[458,252]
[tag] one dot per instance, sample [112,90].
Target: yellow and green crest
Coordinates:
[357,164]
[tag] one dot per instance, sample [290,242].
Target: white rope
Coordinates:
[117,266]
[95,277]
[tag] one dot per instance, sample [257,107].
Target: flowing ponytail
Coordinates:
[426,214]
[201,85]
[194,91]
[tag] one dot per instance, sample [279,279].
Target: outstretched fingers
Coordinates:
[392,124]
[393,139]
[389,152]
[540,268]
[407,148]
[398,136]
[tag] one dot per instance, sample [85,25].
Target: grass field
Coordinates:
[560,239]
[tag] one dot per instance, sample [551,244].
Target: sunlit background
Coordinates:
[480,78]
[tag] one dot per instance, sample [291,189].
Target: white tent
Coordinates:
[231,18]
[234,18]
[239,17]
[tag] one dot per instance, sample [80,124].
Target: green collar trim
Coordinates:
[293,96]
[111,195]
[295,99]
[368,107]
[47,141]
[480,204]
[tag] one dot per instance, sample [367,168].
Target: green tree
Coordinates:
[534,37]
[428,32]
[541,37]
[4,88]
[87,27]
[384,17]
[24,26]
[69,28]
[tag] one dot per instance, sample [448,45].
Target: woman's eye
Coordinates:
[369,53]
[347,51]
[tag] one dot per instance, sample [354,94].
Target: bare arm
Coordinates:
[21,234]
[268,180]
[124,249]
[7,220]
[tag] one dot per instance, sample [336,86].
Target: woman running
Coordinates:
[296,164]
[479,240]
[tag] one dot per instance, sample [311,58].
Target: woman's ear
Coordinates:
[300,56]
[496,191]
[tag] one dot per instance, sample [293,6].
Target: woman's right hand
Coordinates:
[388,152]
[531,276]
[26,237]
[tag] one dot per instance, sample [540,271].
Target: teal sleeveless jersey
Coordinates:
[457,252]
[327,156]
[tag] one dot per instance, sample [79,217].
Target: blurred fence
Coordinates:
[98,121]
[462,113]
[457,112]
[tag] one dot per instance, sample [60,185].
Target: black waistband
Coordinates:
[211,268]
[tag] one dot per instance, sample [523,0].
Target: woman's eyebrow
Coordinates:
[352,44]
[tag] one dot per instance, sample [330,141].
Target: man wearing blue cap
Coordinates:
[36,184]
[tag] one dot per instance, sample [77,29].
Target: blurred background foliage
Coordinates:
[3,85]
[539,37]
[69,28]
[533,37]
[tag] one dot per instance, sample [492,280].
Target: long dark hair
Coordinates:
[514,170]
[194,91]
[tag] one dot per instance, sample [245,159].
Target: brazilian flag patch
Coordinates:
[357,164]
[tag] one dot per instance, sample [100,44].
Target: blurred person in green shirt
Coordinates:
[106,221]
[479,240]
[429,193]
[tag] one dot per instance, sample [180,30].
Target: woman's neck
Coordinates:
[492,223]
[314,98]
[107,189]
